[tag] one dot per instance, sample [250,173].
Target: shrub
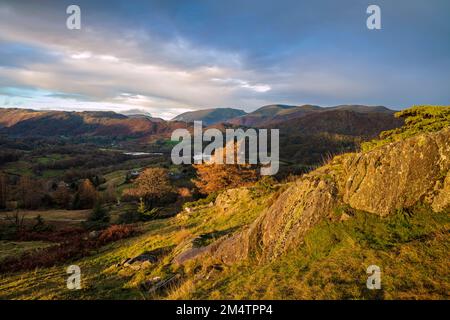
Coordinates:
[40,225]
[141,214]
[47,257]
[99,214]
[48,235]
[203,201]
[115,233]
[98,218]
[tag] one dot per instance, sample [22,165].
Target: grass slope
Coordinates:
[101,279]
[411,249]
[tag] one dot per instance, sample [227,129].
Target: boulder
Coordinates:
[157,285]
[145,259]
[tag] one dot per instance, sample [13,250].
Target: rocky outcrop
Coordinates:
[400,174]
[394,176]
[441,200]
[285,222]
[145,259]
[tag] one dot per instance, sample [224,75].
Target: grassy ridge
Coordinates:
[418,119]
[411,247]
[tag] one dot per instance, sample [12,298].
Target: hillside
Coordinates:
[26,123]
[311,238]
[307,133]
[269,113]
[276,114]
[345,122]
[311,138]
[210,116]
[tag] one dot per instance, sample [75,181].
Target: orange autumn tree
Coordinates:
[214,177]
[151,185]
[87,194]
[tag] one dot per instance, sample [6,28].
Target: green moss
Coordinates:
[418,119]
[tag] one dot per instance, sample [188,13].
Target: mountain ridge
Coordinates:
[271,114]
[28,122]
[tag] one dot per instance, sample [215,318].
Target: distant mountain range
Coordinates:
[268,115]
[355,120]
[140,113]
[307,132]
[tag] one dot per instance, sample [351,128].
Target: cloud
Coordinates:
[243,84]
[81,55]
[167,56]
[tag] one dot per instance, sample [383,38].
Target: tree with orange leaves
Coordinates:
[151,185]
[87,194]
[213,177]
[216,177]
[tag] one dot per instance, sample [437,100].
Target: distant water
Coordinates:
[143,153]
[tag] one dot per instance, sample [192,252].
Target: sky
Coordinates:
[167,57]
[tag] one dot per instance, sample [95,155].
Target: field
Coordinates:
[67,216]
[12,248]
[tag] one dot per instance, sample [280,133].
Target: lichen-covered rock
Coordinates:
[441,200]
[284,224]
[398,175]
